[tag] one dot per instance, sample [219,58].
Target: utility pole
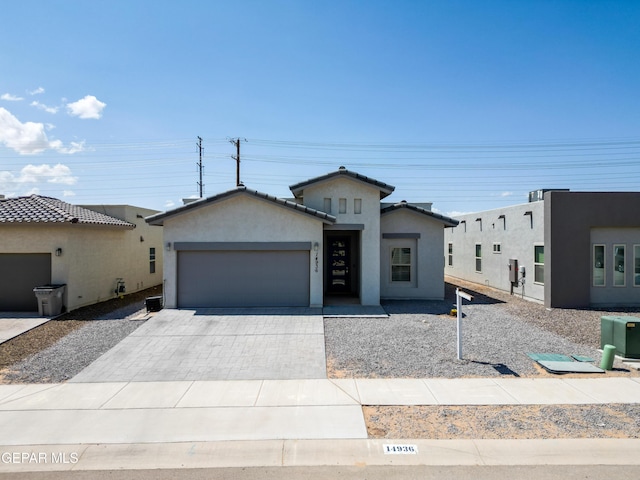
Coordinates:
[200,167]
[236,157]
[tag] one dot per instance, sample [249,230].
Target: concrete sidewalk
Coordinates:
[314,420]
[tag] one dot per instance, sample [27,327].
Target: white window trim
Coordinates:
[624,266]
[475,257]
[536,263]
[593,261]
[450,255]
[499,249]
[391,265]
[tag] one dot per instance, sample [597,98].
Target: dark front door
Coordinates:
[339,277]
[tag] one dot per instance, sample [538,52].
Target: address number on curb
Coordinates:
[400,449]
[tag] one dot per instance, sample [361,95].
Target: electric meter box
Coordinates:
[623,332]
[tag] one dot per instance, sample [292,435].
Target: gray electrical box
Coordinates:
[513,270]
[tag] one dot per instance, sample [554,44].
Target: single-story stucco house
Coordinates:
[566,249]
[334,241]
[91,249]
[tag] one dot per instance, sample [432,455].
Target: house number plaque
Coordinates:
[389,449]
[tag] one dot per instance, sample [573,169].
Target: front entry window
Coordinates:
[339,277]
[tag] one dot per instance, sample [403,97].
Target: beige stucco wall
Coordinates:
[350,189]
[241,218]
[427,257]
[93,257]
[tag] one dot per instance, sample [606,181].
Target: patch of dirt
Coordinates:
[504,422]
[47,334]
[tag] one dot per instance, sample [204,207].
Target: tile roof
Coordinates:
[450,222]
[159,218]
[36,209]
[385,189]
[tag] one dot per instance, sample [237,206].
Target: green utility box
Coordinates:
[623,333]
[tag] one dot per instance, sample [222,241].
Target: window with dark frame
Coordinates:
[619,263]
[478,258]
[538,264]
[450,254]
[598,266]
[152,260]
[401,264]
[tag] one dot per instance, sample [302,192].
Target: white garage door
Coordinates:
[246,278]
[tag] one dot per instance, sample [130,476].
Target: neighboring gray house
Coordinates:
[333,242]
[578,249]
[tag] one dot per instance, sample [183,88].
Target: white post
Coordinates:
[459,322]
[459,296]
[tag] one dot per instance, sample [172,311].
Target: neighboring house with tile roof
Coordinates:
[334,242]
[45,240]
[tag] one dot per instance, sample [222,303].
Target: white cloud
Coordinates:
[46,173]
[455,214]
[24,138]
[37,91]
[506,194]
[68,193]
[29,138]
[74,147]
[169,204]
[29,179]
[10,98]
[87,107]
[44,107]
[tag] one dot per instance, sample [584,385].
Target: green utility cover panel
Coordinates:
[623,332]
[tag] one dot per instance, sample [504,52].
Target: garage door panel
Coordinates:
[20,273]
[243,278]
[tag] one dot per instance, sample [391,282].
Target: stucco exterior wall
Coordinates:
[134,257]
[619,287]
[241,218]
[517,234]
[570,218]
[350,189]
[427,273]
[93,257]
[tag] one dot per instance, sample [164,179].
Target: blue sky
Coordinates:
[467,104]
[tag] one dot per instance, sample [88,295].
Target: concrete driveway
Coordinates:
[13,324]
[214,344]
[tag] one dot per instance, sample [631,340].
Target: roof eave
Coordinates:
[385,189]
[447,221]
[159,218]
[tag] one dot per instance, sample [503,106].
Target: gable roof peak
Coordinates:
[159,218]
[385,189]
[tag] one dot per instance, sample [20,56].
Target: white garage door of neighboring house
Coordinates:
[20,273]
[245,278]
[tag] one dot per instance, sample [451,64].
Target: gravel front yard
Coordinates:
[419,338]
